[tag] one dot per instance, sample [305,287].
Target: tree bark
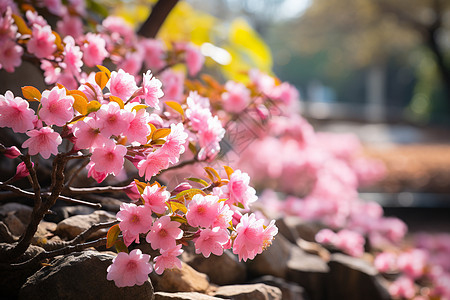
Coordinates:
[157,17]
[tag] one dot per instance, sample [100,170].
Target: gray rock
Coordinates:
[5,235]
[354,278]
[221,270]
[257,291]
[44,233]
[15,225]
[273,260]
[73,226]
[64,212]
[183,296]
[23,212]
[289,290]
[309,271]
[12,279]
[80,275]
[293,228]
[185,279]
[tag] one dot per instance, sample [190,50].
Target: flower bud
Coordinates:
[181,187]
[132,191]
[21,171]
[12,152]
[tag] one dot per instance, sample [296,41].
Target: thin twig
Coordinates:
[94,190]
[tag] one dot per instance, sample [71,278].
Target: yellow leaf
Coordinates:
[178,219]
[214,172]
[120,246]
[105,70]
[153,128]
[140,186]
[139,107]
[198,180]
[58,41]
[189,193]
[101,79]
[175,106]
[117,100]
[160,133]
[228,170]
[21,25]
[93,106]
[80,104]
[71,92]
[112,235]
[31,93]
[177,205]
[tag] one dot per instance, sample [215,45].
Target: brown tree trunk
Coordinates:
[157,17]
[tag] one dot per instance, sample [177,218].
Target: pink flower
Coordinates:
[239,191]
[42,42]
[132,191]
[209,138]
[56,7]
[225,216]
[168,259]
[109,158]
[21,171]
[134,219]
[174,145]
[155,198]
[236,98]
[72,56]
[98,176]
[326,236]
[138,128]
[153,164]
[94,49]
[57,107]
[250,239]
[118,28]
[10,55]
[385,262]
[51,73]
[151,88]
[211,241]
[16,113]
[131,63]
[44,141]
[12,152]
[194,59]
[121,84]
[153,53]
[70,26]
[87,134]
[164,233]
[350,242]
[173,84]
[413,262]
[403,287]
[203,210]
[112,120]
[129,269]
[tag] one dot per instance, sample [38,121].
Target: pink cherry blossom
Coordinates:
[238,189]
[209,138]
[118,28]
[34,18]
[211,241]
[132,191]
[151,90]
[168,259]
[112,120]
[122,84]
[174,145]
[70,26]
[153,53]
[131,63]
[130,269]
[194,59]
[109,158]
[56,7]
[250,239]
[94,49]
[72,56]
[164,233]
[10,55]
[51,72]
[203,210]
[8,29]
[402,287]
[153,164]
[42,42]
[326,236]
[134,219]
[16,113]
[385,262]
[87,134]
[225,216]
[98,176]
[236,98]
[413,262]
[155,198]
[173,83]
[138,128]
[57,107]
[44,141]
[350,242]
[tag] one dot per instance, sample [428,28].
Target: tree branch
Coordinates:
[157,17]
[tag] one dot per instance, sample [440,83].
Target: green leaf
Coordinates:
[178,219]
[120,246]
[198,180]
[112,235]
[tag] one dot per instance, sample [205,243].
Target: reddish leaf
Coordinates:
[112,235]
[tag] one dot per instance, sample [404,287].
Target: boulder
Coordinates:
[309,271]
[183,296]
[293,228]
[221,270]
[80,275]
[354,278]
[23,212]
[256,291]
[73,226]
[289,290]
[273,260]
[185,279]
